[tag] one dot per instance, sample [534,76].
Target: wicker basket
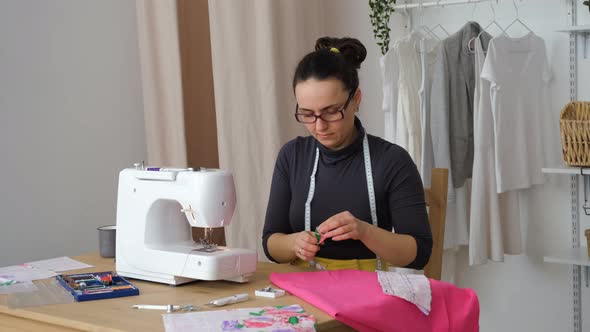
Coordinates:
[574,125]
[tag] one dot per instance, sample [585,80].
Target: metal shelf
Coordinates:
[570,256]
[566,170]
[581,29]
[578,28]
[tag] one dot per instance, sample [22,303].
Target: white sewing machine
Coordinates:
[154,239]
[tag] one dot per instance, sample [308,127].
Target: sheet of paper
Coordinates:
[411,287]
[22,273]
[21,287]
[287,318]
[49,292]
[59,264]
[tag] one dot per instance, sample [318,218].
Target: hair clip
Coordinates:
[334,49]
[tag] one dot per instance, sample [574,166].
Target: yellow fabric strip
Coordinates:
[341,264]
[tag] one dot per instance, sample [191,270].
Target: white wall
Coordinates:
[523,293]
[70,118]
[350,18]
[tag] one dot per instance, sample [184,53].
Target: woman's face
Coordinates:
[328,96]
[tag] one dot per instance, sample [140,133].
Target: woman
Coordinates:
[325,206]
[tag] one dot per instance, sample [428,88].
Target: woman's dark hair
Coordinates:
[333,58]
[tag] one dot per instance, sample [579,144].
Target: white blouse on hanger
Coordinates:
[518,71]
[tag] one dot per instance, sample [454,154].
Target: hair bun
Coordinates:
[352,49]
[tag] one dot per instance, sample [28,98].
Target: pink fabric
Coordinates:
[356,299]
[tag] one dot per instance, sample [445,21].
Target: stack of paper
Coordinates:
[18,278]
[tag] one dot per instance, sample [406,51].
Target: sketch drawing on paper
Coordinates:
[273,319]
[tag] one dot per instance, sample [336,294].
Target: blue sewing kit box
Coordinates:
[96,285]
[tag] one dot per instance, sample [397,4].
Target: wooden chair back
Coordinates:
[436,201]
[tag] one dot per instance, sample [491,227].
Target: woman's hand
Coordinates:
[305,245]
[343,226]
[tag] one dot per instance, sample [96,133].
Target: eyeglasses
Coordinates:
[328,116]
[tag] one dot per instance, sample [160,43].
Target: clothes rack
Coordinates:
[437,3]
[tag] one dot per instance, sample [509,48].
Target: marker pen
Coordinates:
[229,300]
[162,169]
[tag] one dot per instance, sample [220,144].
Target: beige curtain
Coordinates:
[157,27]
[255,47]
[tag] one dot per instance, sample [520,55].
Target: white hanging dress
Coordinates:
[495,228]
[389,64]
[408,131]
[518,71]
[429,55]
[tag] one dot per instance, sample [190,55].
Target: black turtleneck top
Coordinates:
[341,185]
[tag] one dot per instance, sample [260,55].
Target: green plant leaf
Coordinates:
[381,11]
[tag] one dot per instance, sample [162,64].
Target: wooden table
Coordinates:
[117,314]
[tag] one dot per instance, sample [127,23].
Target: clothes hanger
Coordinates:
[493,22]
[471,42]
[473,11]
[438,26]
[421,27]
[441,28]
[428,31]
[516,20]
